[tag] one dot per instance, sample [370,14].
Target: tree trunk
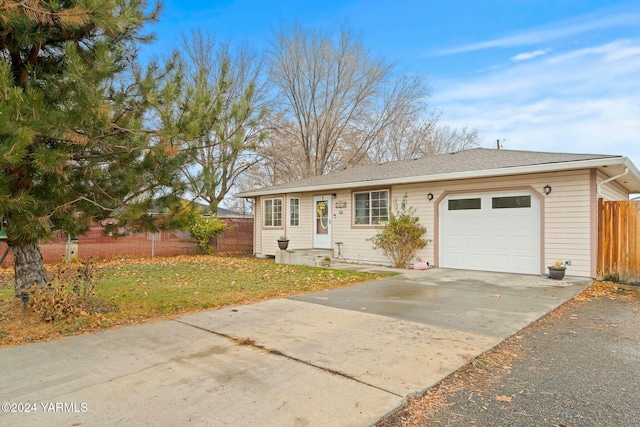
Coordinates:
[29,266]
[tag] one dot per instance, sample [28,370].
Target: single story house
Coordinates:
[484,209]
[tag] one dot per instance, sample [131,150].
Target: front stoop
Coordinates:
[310,257]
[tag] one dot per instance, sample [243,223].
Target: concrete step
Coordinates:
[310,257]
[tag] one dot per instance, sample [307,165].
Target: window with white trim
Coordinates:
[273,213]
[294,212]
[371,207]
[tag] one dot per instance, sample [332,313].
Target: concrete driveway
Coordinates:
[343,357]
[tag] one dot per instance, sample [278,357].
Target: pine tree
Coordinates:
[73,143]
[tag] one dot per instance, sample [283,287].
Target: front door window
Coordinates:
[322,222]
[322,217]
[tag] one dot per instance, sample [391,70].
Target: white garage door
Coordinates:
[492,232]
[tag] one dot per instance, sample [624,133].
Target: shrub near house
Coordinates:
[401,237]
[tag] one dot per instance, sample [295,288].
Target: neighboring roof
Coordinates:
[226,213]
[472,163]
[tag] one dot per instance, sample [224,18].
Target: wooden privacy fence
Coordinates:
[618,241]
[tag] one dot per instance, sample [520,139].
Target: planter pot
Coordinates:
[557,273]
[283,244]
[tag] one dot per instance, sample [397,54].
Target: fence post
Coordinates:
[68,252]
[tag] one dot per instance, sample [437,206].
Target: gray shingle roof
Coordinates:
[475,159]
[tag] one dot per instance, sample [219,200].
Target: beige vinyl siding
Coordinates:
[341,226]
[270,235]
[566,214]
[611,190]
[568,222]
[300,236]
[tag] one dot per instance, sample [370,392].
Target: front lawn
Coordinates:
[135,291]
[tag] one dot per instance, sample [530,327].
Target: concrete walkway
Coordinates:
[342,357]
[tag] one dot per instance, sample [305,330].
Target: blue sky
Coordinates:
[559,75]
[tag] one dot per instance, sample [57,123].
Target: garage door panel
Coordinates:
[523,243]
[520,263]
[498,243]
[527,222]
[476,261]
[474,223]
[496,260]
[493,239]
[476,243]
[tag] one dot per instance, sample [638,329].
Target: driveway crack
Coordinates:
[251,343]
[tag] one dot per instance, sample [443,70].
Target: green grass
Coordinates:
[180,285]
[144,290]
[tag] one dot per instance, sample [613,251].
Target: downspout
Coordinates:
[600,184]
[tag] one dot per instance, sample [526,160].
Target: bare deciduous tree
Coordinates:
[445,139]
[419,136]
[224,100]
[336,100]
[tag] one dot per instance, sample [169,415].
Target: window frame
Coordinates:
[272,213]
[371,222]
[291,212]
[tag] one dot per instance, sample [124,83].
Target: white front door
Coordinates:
[322,222]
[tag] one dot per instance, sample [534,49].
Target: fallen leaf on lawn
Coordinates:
[504,398]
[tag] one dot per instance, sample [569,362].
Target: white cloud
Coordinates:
[529,55]
[581,101]
[613,51]
[551,32]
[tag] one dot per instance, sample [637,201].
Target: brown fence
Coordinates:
[238,240]
[94,244]
[618,241]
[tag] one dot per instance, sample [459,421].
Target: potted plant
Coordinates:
[283,242]
[557,270]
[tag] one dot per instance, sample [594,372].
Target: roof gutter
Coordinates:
[613,178]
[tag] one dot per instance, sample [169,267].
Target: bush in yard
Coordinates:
[401,237]
[203,229]
[71,294]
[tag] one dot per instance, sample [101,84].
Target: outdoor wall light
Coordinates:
[547,189]
[430,196]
